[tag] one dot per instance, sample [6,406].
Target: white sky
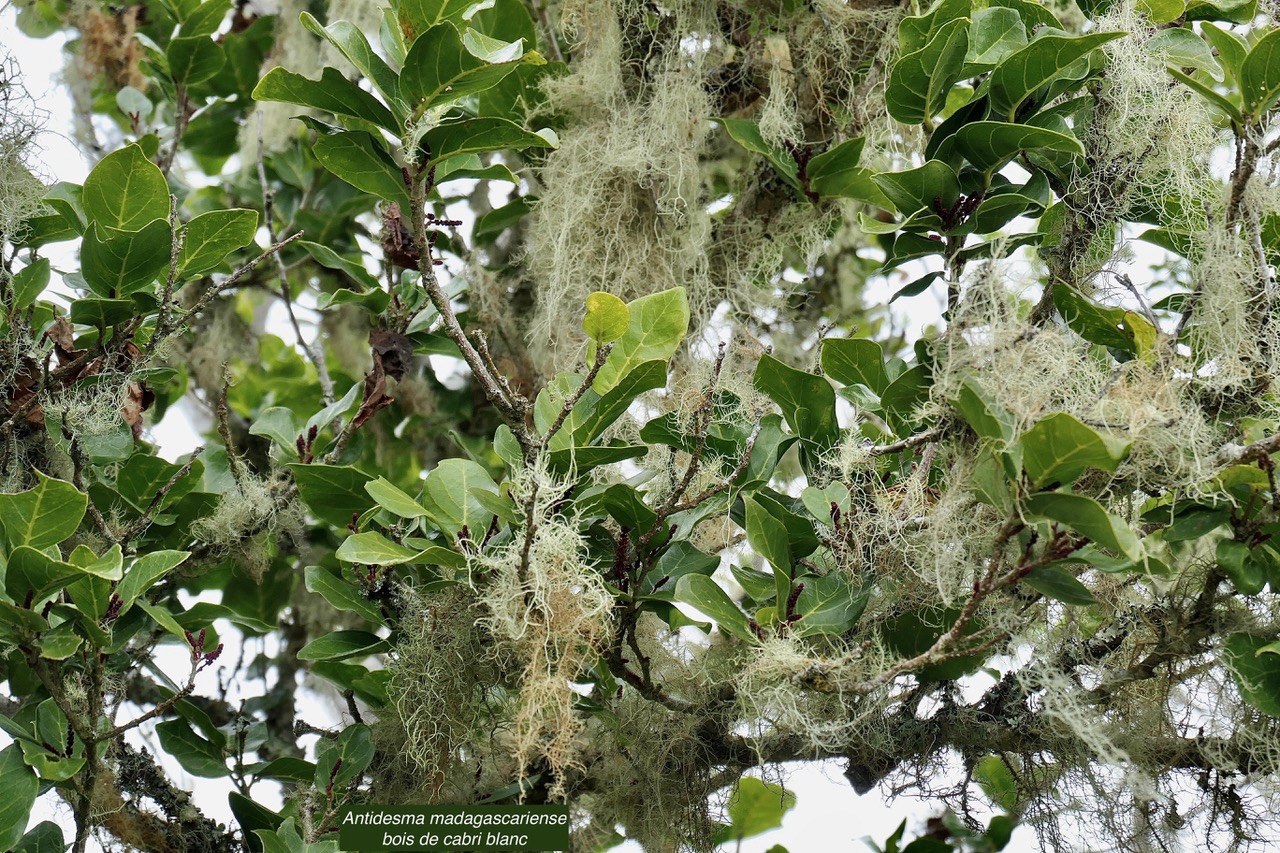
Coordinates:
[828,815]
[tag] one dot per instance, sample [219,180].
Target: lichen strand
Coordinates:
[301,52]
[650,775]
[553,613]
[621,204]
[447,693]
[1030,372]
[249,523]
[625,204]
[21,189]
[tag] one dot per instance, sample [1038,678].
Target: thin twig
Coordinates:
[183,117]
[160,707]
[314,350]
[144,520]
[213,290]
[906,443]
[513,411]
[175,252]
[572,400]
[544,15]
[708,494]
[223,416]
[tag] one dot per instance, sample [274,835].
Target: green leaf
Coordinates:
[1230,48]
[353,747]
[1182,48]
[210,237]
[1246,574]
[705,594]
[747,134]
[1100,324]
[20,788]
[332,93]
[1085,515]
[680,558]
[391,498]
[1260,75]
[607,318]
[827,605]
[1231,11]
[117,263]
[29,283]
[835,173]
[550,403]
[755,807]
[1257,675]
[448,490]
[499,219]
[1060,585]
[362,161]
[335,493]
[162,617]
[1196,524]
[997,782]
[252,818]
[330,259]
[768,537]
[288,767]
[440,69]
[205,18]
[60,642]
[903,397]
[1059,448]
[989,145]
[374,549]
[196,755]
[915,631]
[646,376]
[32,572]
[479,136]
[807,401]
[145,572]
[919,81]
[341,645]
[125,191]
[915,31]
[996,33]
[1040,62]
[1228,107]
[91,595]
[918,189]
[43,515]
[348,39]
[658,324]
[330,413]
[583,459]
[194,59]
[142,476]
[988,418]
[278,424]
[101,313]
[418,16]
[855,361]
[340,594]
[45,837]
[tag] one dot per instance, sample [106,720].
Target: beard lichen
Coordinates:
[621,205]
[447,693]
[553,613]
[250,521]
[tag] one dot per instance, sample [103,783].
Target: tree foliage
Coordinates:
[557,446]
